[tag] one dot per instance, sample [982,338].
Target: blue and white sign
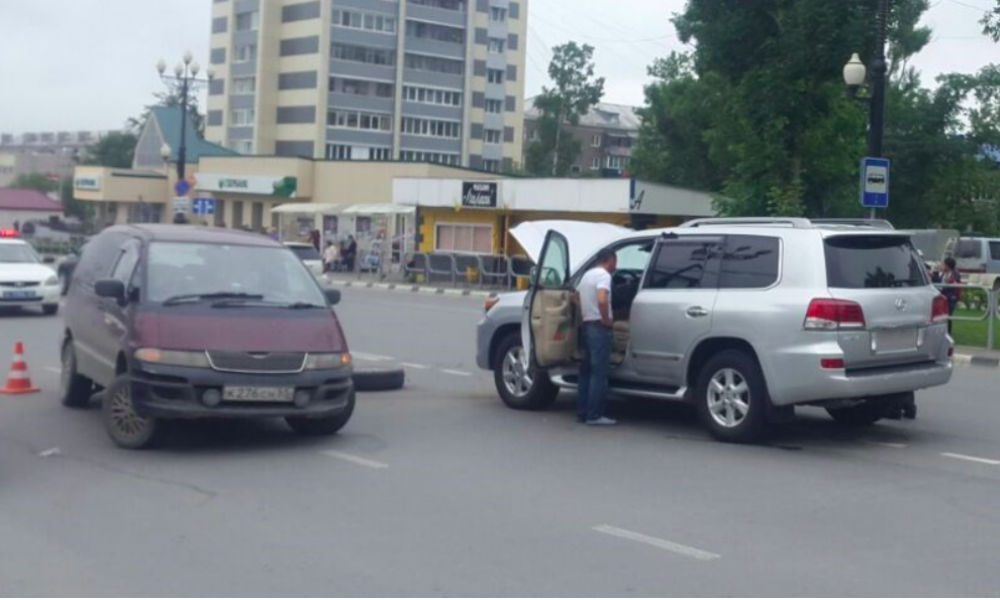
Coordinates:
[875,182]
[203,206]
[182,187]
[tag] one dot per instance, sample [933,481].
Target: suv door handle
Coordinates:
[697,311]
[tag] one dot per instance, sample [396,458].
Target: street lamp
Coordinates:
[854,77]
[186,74]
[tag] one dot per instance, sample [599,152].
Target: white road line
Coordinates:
[657,542]
[458,373]
[976,459]
[50,452]
[53,369]
[366,356]
[414,366]
[358,460]
[887,444]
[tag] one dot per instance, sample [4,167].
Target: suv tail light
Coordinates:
[828,314]
[939,309]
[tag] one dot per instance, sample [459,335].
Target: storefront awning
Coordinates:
[378,209]
[308,208]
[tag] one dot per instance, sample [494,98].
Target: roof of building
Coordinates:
[603,115]
[18,199]
[168,119]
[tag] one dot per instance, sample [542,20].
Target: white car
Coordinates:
[309,257]
[24,280]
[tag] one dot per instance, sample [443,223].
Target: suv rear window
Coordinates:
[872,261]
[305,252]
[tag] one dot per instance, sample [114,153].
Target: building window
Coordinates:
[491,165]
[458,5]
[494,106]
[353,119]
[498,15]
[379,153]
[595,141]
[435,157]
[492,136]
[434,64]
[432,96]
[466,238]
[242,117]
[243,146]
[359,87]
[496,45]
[363,54]
[353,19]
[248,21]
[433,31]
[494,75]
[244,85]
[431,127]
[245,53]
[595,164]
[338,152]
[616,162]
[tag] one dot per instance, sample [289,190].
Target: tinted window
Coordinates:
[749,261]
[872,262]
[995,250]
[683,264]
[127,260]
[969,249]
[98,255]
[305,252]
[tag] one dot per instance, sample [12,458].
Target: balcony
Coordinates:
[434,14]
[434,47]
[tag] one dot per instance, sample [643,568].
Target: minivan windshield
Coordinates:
[176,269]
[872,261]
[17,253]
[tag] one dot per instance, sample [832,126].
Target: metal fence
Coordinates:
[977,298]
[493,271]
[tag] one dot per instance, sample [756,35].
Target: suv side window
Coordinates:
[749,261]
[684,264]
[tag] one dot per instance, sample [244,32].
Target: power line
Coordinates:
[971,6]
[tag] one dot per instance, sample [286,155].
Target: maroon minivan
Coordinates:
[182,322]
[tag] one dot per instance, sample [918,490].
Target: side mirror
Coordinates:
[111,288]
[48,260]
[332,296]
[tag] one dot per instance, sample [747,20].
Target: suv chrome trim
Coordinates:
[679,394]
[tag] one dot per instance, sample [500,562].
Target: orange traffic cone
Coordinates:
[18,380]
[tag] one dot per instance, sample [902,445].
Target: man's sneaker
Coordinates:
[602,421]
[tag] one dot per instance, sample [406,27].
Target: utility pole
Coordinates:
[876,119]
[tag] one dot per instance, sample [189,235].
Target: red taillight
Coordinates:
[939,309]
[830,314]
[831,363]
[951,351]
[9,233]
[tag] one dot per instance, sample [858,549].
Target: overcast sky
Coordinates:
[89,64]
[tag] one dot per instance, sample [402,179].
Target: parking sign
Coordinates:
[875,182]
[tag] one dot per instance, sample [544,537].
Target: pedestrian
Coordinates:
[17,226]
[951,276]
[180,218]
[350,253]
[595,304]
[330,257]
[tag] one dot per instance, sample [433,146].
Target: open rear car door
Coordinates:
[552,310]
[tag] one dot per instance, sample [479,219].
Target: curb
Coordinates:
[977,361]
[415,289]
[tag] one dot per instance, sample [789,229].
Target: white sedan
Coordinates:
[309,257]
[24,280]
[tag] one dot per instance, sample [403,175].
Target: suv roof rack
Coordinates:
[796,222]
[868,223]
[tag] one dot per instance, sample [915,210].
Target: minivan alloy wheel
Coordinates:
[728,397]
[516,375]
[123,416]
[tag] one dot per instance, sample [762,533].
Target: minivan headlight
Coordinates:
[177,358]
[332,360]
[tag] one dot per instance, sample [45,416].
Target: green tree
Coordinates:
[575,90]
[114,150]
[991,22]
[73,207]
[172,97]
[35,181]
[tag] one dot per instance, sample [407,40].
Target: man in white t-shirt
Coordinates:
[595,305]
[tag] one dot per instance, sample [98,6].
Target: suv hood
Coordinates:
[584,238]
[25,272]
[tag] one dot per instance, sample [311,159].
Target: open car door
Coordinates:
[552,310]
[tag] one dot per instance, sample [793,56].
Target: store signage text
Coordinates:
[87,183]
[479,194]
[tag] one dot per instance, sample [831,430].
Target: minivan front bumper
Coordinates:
[176,392]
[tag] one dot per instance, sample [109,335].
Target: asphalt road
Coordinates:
[439,489]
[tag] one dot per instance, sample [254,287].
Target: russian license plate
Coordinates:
[895,340]
[19,294]
[243,393]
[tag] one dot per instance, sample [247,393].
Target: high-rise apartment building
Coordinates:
[438,80]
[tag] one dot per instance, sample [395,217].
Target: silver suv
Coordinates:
[744,318]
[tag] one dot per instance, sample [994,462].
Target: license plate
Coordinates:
[895,340]
[19,294]
[258,394]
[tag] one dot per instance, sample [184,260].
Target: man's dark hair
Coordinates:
[950,262]
[605,255]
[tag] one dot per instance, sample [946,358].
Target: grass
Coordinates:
[972,333]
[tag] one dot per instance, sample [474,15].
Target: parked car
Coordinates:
[309,256]
[188,323]
[744,318]
[977,256]
[25,280]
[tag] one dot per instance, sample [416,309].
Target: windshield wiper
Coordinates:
[302,305]
[179,299]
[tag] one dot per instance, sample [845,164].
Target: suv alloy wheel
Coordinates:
[520,386]
[731,397]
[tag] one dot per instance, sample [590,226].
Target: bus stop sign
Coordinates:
[875,182]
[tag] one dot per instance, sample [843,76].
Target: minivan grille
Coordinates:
[257,362]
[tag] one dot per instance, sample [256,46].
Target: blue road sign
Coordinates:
[875,182]
[203,206]
[182,187]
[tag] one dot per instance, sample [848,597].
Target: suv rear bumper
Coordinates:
[176,392]
[862,383]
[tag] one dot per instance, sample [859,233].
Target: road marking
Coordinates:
[887,444]
[458,373]
[414,366]
[53,370]
[366,356]
[657,542]
[976,459]
[358,460]
[50,452]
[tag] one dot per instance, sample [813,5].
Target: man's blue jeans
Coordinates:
[593,387]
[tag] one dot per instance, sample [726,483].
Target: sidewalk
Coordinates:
[980,357]
[395,283]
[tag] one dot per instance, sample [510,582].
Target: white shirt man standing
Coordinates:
[595,305]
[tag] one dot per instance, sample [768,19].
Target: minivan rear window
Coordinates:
[969,249]
[872,261]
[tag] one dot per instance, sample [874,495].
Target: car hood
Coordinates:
[25,272]
[239,329]
[584,238]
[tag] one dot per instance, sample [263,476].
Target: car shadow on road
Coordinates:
[10,311]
